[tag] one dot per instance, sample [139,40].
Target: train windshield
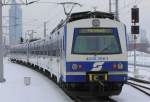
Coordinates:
[96,41]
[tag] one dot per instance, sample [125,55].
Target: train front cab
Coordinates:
[96,55]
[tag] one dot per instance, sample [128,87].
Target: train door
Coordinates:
[50,45]
[37,54]
[59,55]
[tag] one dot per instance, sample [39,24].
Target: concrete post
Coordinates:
[1,46]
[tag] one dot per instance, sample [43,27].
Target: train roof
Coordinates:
[90,14]
[85,15]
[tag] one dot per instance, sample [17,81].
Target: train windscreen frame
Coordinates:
[96,41]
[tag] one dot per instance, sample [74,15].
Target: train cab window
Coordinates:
[96,41]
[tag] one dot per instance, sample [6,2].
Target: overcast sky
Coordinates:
[34,15]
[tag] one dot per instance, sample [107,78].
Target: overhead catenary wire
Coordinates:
[18,24]
[54,15]
[41,26]
[20,3]
[130,4]
[48,2]
[40,3]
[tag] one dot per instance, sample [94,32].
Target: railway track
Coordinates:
[140,85]
[87,97]
[139,80]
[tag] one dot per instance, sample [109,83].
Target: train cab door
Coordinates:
[59,56]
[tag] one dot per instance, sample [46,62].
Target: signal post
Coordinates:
[135,32]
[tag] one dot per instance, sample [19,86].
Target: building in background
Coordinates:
[15,23]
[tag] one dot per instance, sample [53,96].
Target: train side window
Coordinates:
[37,52]
[63,43]
[45,53]
[54,53]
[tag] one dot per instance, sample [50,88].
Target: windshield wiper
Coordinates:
[105,48]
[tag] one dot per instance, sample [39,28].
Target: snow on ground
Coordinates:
[43,90]
[142,84]
[143,72]
[129,94]
[40,90]
[141,58]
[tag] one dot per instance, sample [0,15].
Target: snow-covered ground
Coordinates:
[143,72]
[129,94]
[141,58]
[41,89]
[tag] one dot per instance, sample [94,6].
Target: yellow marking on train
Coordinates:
[106,77]
[90,77]
[95,77]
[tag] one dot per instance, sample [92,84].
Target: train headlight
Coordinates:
[117,66]
[114,66]
[74,66]
[120,66]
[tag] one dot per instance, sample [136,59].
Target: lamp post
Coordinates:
[1,46]
[135,32]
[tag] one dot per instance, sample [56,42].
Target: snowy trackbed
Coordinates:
[141,85]
[79,96]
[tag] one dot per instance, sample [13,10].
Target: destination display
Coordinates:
[96,30]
